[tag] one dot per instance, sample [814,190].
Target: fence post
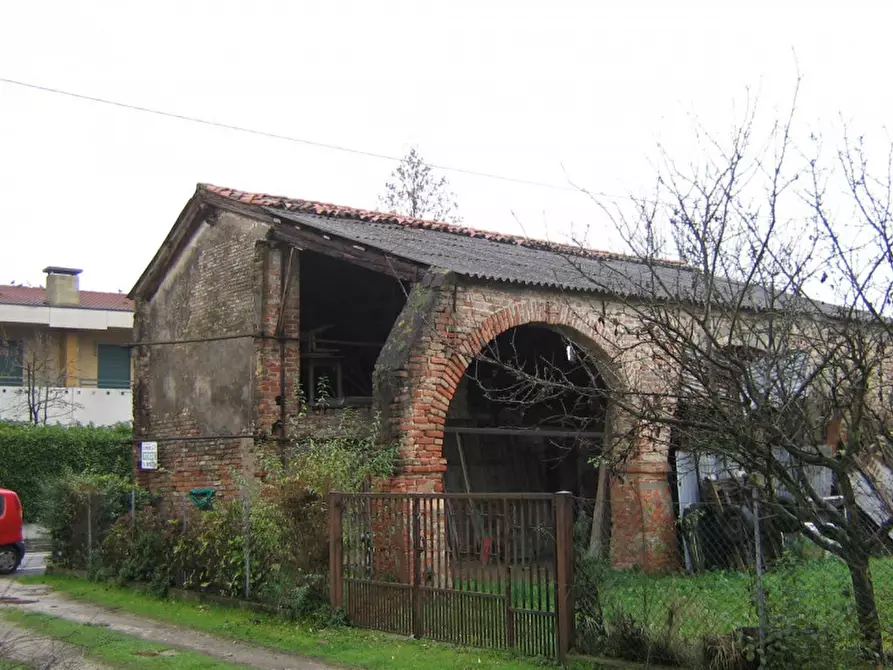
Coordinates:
[185,521]
[564,560]
[758,566]
[246,517]
[336,548]
[509,603]
[89,533]
[415,542]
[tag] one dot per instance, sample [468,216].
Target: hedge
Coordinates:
[30,456]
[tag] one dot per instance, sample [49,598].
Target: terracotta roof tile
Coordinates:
[370,216]
[35,296]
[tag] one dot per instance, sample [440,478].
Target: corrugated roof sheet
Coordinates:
[499,257]
[470,251]
[498,261]
[339,212]
[36,296]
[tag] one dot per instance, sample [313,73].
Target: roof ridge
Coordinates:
[44,288]
[372,216]
[36,296]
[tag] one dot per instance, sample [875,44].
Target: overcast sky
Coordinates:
[540,91]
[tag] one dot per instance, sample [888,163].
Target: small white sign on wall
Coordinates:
[148,455]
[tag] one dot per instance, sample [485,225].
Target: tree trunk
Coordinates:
[596,545]
[866,607]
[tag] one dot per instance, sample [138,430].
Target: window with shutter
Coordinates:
[10,363]
[113,367]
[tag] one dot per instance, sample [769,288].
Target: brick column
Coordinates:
[410,391]
[643,523]
[275,358]
[643,526]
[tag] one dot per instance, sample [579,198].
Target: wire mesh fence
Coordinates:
[753,588]
[752,584]
[244,547]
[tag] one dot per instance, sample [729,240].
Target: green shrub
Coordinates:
[279,522]
[79,511]
[30,455]
[287,554]
[811,624]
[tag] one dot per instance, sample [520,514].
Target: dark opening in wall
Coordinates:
[529,415]
[347,313]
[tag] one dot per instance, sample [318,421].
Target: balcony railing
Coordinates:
[79,382]
[82,404]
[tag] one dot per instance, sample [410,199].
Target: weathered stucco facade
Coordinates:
[218,360]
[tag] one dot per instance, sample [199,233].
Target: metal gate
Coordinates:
[488,570]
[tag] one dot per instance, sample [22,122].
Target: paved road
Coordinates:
[33,564]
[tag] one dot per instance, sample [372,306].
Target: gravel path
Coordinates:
[26,647]
[40,598]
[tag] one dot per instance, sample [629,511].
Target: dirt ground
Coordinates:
[24,646]
[41,599]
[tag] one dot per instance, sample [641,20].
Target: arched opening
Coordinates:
[529,415]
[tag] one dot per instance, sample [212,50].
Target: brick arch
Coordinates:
[561,318]
[642,518]
[431,373]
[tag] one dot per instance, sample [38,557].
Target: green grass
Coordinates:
[114,649]
[812,595]
[345,646]
[719,602]
[809,605]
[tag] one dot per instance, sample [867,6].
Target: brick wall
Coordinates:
[459,318]
[230,281]
[277,353]
[200,388]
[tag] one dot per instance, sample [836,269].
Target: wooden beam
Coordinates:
[256,212]
[345,250]
[530,432]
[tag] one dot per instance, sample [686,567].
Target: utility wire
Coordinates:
[298,140]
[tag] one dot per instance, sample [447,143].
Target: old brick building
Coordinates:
[252,297]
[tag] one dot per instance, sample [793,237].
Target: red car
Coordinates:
[12,549]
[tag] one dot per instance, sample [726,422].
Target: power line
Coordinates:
[298,140]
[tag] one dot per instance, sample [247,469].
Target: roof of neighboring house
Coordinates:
[469,251]
[36,296]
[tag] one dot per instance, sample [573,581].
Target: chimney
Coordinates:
[62,287]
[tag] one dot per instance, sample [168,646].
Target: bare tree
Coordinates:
[759,295]
[415,190]
[771,318]
[42,393]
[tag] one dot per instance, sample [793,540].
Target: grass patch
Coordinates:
[345,646]
[115,649]
[810,610]
[719,602]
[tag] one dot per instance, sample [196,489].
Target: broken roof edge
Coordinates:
[269,202]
